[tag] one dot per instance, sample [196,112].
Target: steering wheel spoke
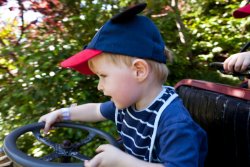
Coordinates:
[79,156]
[88,139]
[42,139]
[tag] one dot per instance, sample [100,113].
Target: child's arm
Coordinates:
[109,155]
[86,113]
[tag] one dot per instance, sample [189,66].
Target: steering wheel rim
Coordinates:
[21,158]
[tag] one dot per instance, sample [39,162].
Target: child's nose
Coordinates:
[100,87]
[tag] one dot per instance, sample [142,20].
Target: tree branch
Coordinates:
[183,31]
[22,19]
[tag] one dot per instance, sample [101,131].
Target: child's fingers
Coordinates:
[41,119]
[102,148]
[245,64]
[46,128]
[238,65]
[95,162]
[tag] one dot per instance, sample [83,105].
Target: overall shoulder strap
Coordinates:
[169,100]
[116,116]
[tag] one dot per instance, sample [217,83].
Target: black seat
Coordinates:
[225,118]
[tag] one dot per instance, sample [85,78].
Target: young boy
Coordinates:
[127,54]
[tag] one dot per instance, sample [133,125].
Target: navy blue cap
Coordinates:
[126,33]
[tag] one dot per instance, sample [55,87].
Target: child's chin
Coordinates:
[120,107]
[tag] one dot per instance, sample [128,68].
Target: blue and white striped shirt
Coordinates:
[141,131]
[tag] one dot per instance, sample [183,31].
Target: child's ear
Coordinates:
[140,69]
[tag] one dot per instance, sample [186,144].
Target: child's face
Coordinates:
[117,81]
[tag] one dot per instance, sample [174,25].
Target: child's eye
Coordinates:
[102,76]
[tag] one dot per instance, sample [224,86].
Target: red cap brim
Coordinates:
[242,12]
[79,61]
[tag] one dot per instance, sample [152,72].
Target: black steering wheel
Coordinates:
[72,150]
[219,66]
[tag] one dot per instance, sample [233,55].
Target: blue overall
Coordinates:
[164,132]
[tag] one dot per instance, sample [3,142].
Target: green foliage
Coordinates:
[215,35]
[32,84]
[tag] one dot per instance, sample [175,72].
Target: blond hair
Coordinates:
[160,70]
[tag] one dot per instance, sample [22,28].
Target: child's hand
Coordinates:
[50,119]
[108,156]
[237,62]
